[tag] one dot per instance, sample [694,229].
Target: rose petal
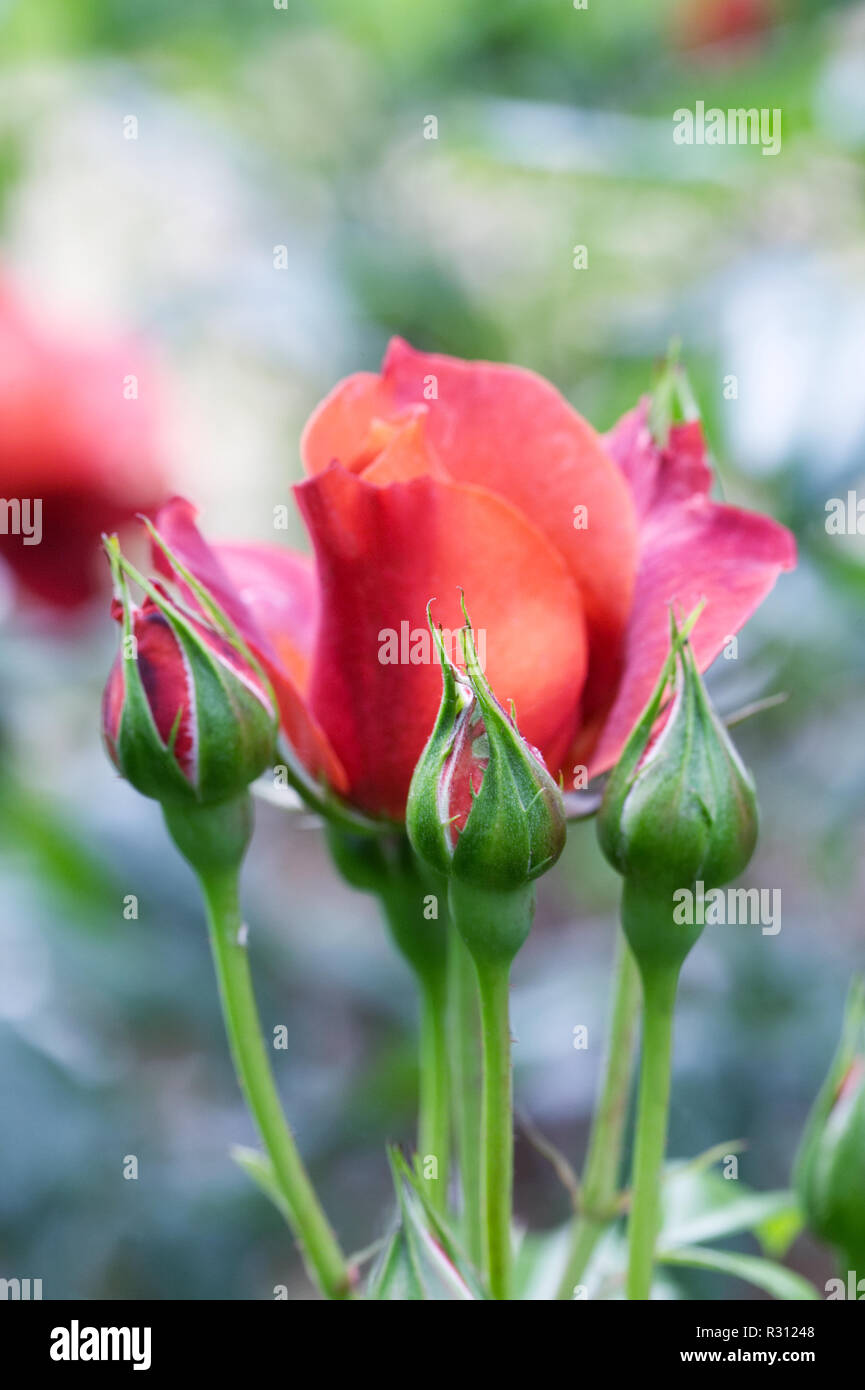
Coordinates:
[407,454]
[338,430]
[692,549]
[280,654]
[167,684]
[509,431]
[279,587]
[659,478]
[382,554]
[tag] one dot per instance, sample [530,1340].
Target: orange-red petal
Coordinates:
[507,430]
[692,549]
[270,615]
[382,553]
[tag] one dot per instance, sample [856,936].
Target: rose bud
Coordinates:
[831,1161]
[187,714]
[679,808]
[482,806]
[483,810]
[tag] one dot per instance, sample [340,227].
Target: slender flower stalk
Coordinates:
[423,945]
[464,1028]
[323,1258]
[659,1001]
[484,812]
[413,902]
[434,1117]
[189,719]
[213,840]
[497,1123]
[679,809]
[485,917]
[603,1165]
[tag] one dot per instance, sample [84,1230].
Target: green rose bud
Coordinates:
[484,812]
[830,1167]
[482,807]
[679,808]
[188,716]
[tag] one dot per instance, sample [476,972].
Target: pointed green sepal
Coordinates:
[482,807]
[679,813]
[188,715]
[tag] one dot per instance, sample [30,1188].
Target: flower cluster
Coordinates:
[436,476]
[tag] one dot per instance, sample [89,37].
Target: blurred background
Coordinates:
[208,214]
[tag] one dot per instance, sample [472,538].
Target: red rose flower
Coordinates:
[76,457]
[439,474]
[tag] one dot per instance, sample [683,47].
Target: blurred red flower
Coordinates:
[733,23]
[78,454]
[438,474]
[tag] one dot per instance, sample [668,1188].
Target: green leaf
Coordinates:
[60,858]
[701,1161]
[442,1231]
[708,1207]
[539,1264]
[422,1259]
[777,1233]
[441,1280]
[849,1046]
[395,1277]
[446,1270]
[259,1167]
[752,1269]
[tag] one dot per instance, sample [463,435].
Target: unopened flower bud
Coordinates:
[482,807]
[187,716]
[830,1167]
[679,808]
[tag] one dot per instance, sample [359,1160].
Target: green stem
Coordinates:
[602,1169]
[496,1125]
[422,944]
[434,1096]
[493,924]
[587,1231]
[321,1250]
[659,998]
[464,1026]
[413,902]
